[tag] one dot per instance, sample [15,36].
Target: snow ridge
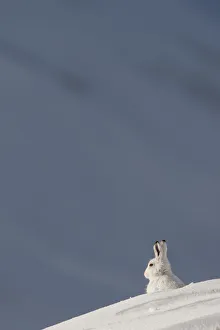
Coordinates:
[195,306]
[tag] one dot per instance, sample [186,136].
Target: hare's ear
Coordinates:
[156,248]
[163,248]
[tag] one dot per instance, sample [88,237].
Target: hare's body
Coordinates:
[164,283]
[159,272]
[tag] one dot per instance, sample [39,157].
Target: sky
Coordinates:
[109,140]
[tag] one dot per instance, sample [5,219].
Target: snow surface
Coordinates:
[195,306]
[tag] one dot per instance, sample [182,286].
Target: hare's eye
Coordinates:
[151,265]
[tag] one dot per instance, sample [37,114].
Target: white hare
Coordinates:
[159,272]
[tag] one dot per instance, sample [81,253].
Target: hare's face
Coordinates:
[157,267]
[152,269]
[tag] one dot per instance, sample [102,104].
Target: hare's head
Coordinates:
[160,264]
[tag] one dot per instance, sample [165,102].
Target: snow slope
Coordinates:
[196,306]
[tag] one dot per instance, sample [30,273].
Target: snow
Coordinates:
[195,306]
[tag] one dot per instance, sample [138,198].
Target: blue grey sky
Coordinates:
[109,132]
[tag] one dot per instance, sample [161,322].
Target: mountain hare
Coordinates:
[159,271]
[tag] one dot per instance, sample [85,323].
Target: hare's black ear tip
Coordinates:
[163,240]
[156,242]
